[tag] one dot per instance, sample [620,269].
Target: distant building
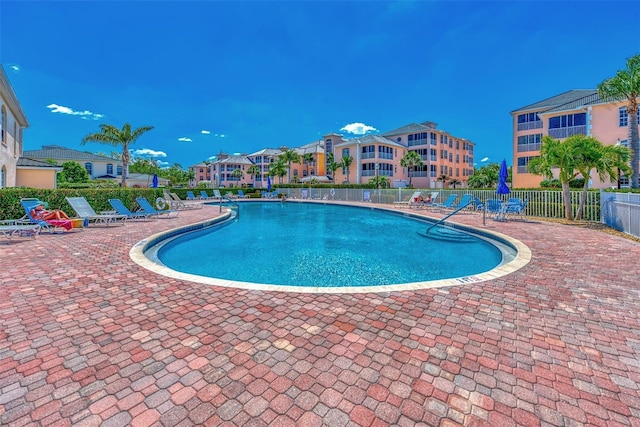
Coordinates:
[575,112]
[36,173]
[98,167]
[12,122]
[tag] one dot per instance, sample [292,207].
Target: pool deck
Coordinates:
[90,338]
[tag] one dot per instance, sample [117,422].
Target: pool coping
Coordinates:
[150,261]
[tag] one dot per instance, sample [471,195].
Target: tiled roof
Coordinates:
[34,163]
[266,152]
[568,97]
[411,128]
[369,139]
[241,160]
[57,152]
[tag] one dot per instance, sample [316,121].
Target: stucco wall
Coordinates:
[36,178]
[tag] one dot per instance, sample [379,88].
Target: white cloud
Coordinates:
[14,67]
[484,159]
[146,152]
[212,158]
[162,164]
[184,139]
[220,135]
[205,132]
[86,115]
[358,128]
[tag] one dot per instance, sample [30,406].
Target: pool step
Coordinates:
[448,234]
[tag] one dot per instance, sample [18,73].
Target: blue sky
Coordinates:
[215,76]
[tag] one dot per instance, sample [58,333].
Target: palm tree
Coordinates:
[455,182]
[253,171]
[346,162]
[410,160]
[332,165]
[443,178]
[289,156]
[380,181]
[237,173]
[124,137]
[607,160]
[307,159]
[626,85]
[278,168]
[560,155]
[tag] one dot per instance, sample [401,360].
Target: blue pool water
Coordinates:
[318,245]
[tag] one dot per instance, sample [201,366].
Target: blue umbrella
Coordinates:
[503,175]
[154,182]
[269,184]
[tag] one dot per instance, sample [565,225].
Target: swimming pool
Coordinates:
[311,245]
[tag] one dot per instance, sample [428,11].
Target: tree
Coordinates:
[289,156]
[409,161]
[278,168]
[332,165]
[607,160]
[307,159]
[253,171]
[560,155]
[237,173]
[73,172]
[345,163]
[124,137]
[380,181]
[454,182]
[147,166]
[626,85]
[444,178]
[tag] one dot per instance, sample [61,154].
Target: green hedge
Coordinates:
[98,198]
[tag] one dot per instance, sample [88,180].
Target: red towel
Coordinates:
[64,223]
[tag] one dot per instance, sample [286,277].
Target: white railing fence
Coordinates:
[621,211]
[541,203]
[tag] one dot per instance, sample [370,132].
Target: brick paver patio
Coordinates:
[88,338]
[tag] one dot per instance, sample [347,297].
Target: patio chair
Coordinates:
[147,208]
[407,203]
[84,210]
[204,195]
[191,196]
[516,208]
[447,204]
[217,195]
[495,209]
[50,225]
[10,231]
[465,201]
[242,195]
[121,209]
[176,203]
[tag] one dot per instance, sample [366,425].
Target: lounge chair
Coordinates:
[84,210]
[409,202]
[447,204]
[242,195]
[465,201]
[147,208]
[10,231]
[217,195]
[185,204]
[204,195]
[191,196]
[123,210]
[50,225]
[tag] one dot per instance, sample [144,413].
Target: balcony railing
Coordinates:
[530,125]
[368,155]
[534,146]
[559,133]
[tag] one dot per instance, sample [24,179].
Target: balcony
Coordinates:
[529,147]
[368,155]
[560,133]
[530,125]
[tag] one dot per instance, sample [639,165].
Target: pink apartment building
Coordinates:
[576,112]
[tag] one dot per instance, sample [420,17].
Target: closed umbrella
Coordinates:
[503,175]
[154,182]
[269,184]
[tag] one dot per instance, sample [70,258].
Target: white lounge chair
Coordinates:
[409,202]
[84,210]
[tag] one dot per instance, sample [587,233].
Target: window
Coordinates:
[417,138]
[109,168]
[523,162]
[433,171]
[529,142]
[433,154]
[345,152]
[568,125]
[385,152]
[529,121]
[119,170]
[369,152]
[623,117]
[89,168]
[3,125]
[434,138]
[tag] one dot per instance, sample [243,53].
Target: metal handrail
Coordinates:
[458,209]
[231,204]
